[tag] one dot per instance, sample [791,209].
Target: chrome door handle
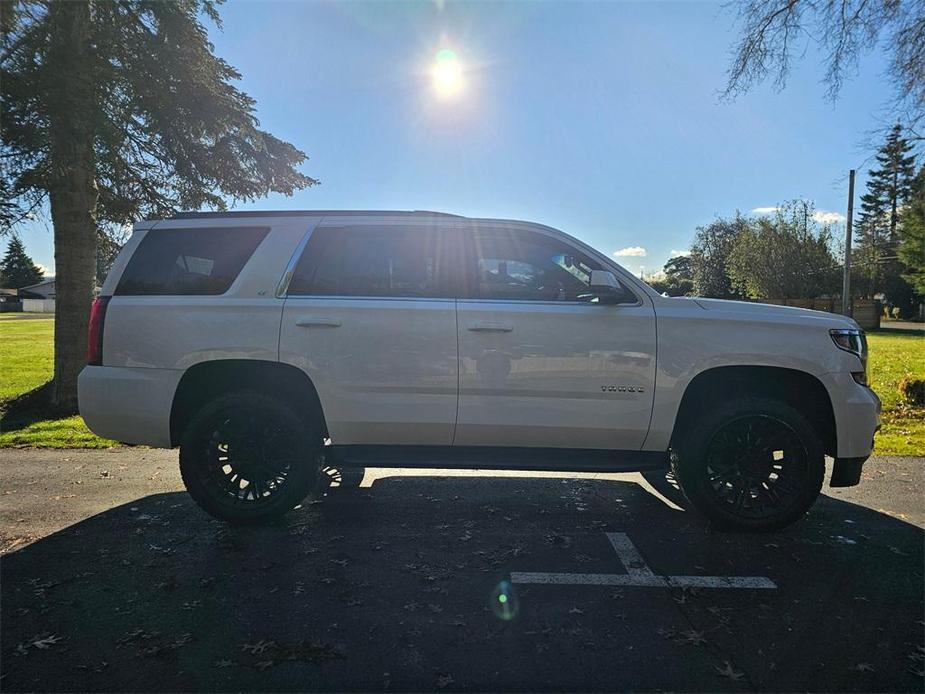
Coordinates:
[484,326]
[318,323]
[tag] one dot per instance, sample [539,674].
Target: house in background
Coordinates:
[41,290]
[39,297]
[9,301]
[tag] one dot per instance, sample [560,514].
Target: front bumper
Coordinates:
[857,415]
[857,412]
[847,472]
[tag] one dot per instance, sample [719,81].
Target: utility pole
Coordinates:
[846,282]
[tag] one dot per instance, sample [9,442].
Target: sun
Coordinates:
[447,74]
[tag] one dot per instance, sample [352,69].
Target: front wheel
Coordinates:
[248,458]
[751,464]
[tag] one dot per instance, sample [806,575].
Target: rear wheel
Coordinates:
[248,458]
[751,464]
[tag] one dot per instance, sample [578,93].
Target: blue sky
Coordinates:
[602,119]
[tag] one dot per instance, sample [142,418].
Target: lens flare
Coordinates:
[504,601]
[447,74]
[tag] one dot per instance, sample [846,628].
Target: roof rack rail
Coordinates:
[312,213]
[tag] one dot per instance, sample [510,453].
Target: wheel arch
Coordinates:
[799,389]
[206,380]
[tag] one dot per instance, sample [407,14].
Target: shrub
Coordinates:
[912,391]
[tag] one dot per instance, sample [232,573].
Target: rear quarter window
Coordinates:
[178,262]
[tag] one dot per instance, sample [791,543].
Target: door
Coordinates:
[370,316]
[541,361]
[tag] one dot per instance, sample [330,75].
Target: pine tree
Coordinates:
[889,187]
[115,111]
[912,236]
[17,269]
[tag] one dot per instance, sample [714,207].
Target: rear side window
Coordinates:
[177,262]
[374,262]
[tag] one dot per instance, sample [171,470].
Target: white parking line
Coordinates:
[639,575]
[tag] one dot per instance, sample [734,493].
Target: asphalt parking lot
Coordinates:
[113,580]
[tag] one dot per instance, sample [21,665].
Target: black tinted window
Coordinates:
[372,262]
[189,261]
[527,266]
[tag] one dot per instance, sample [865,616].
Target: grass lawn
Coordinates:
[26,353]
[893,355]
[26,362]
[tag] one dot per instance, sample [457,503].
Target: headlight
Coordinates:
[853,341]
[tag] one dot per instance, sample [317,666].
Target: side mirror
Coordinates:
[608,288]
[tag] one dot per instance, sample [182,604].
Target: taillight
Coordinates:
[95,331]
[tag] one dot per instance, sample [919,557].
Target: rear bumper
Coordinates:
[128,404]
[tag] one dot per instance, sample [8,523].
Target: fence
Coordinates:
[38,305]
[866,312]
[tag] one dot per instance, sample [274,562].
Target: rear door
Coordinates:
[370,316]
[541,362]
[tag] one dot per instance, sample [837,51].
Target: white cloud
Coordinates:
[675,254]
[826,217]
[631,251]
[48,272]
[821,216]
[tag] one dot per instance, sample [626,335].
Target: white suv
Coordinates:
[268,344]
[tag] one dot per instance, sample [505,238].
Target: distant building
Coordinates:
[41,290]
[9,301]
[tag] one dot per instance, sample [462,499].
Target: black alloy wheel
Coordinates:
[248,458]
[753,464]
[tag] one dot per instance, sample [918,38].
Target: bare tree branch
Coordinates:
[843,31]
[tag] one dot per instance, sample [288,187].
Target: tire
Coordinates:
[751,464]
[248,458]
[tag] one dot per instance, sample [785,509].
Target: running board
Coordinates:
[497,458]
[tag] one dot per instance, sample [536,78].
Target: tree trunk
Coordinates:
[72,190]
[894,213]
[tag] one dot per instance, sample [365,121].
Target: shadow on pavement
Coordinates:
[391,587]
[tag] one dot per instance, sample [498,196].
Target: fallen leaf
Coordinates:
[691,638]
[259,647]
[729,672]
[46,642]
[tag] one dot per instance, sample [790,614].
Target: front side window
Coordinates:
[371,262]
[178,262]
[526,266]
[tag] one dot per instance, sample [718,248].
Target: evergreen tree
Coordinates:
[912,236]
[889,187]
[17,269]
[113,111]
